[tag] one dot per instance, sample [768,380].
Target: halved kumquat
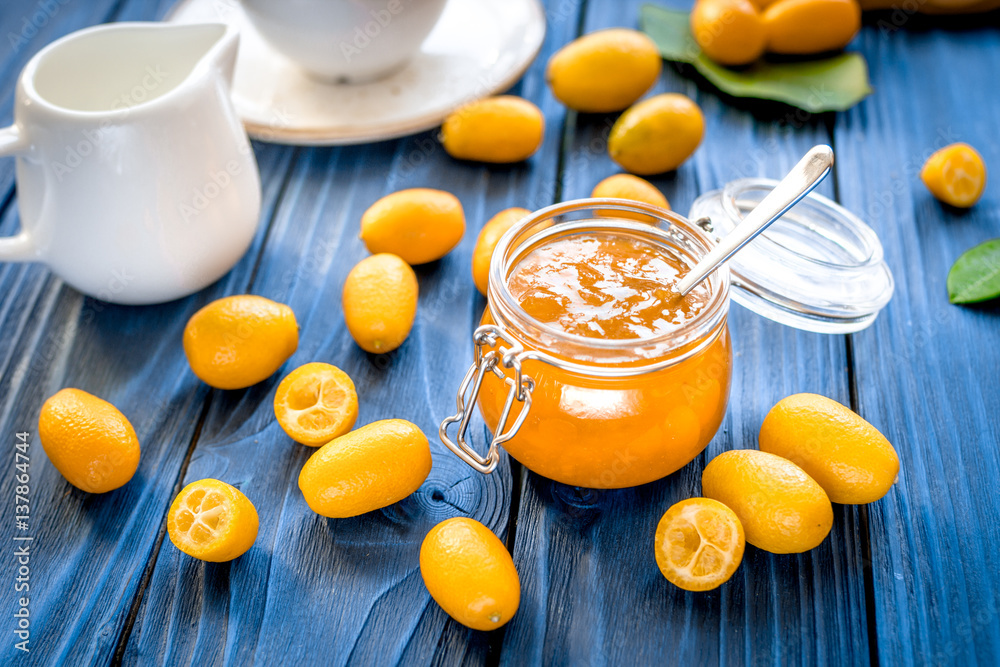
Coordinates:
[699,544]
[316,403]
[212,521]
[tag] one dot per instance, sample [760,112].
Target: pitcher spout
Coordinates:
[218,43]
[222,54]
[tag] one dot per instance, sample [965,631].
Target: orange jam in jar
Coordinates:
[627,381]
[604,285]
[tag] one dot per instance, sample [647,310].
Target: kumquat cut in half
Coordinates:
[316,403]
[699,544]
[212,521]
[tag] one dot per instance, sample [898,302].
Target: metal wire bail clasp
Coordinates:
[520,387]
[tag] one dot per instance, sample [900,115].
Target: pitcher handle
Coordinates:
[15,248]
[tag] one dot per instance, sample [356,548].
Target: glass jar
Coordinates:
[590,411]
[606,413]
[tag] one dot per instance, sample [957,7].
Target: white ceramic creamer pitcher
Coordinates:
[135,179]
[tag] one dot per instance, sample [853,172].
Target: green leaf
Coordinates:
[975,276]
[827,84]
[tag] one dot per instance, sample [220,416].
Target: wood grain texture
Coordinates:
[349,591]
[927,371]
[592,591]
[345,591]
[90,551]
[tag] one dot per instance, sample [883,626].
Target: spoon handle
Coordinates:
[803,177]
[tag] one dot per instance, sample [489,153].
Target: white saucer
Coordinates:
[477,49]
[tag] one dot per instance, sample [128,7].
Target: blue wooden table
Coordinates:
[911,579]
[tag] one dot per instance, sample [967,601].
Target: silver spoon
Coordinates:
[799,182]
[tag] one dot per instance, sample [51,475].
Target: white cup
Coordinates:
[135,179]
[351,41]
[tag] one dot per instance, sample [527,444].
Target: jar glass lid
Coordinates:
[817,268]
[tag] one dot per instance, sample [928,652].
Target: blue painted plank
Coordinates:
[926,373]
[592,591]
[338,589]
[346,590]
[91,552]
[311,586]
